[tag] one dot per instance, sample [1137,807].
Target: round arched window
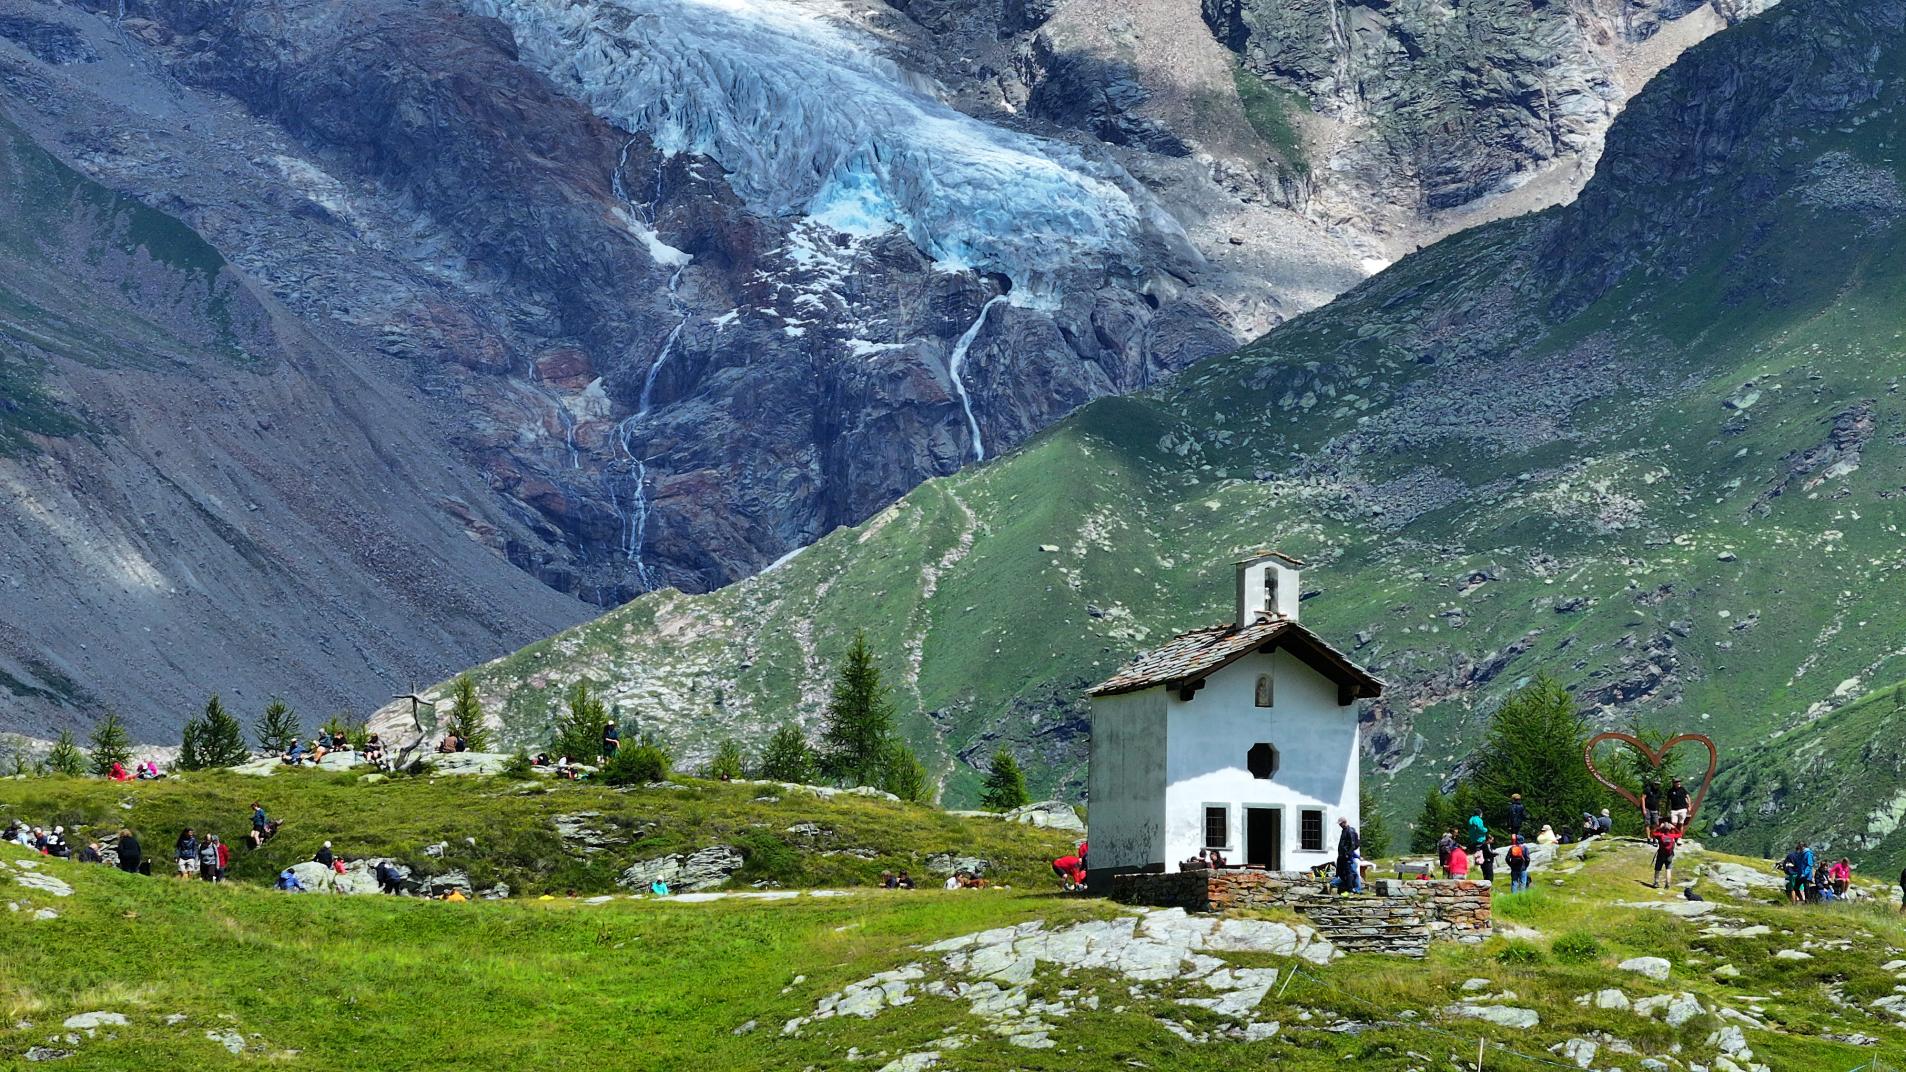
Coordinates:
[1261,760]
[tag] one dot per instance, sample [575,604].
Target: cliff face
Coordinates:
[1648,442]
[671,289]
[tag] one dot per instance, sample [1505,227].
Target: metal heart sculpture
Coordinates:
[1655,760]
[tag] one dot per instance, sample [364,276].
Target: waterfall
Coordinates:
[956,361]
[635,517]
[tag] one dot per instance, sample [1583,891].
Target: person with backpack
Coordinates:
[611,741]
[1666,836]
[1517,814]
[1445,848]
[1517,857]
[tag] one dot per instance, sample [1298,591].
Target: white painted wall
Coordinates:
[1208,735]
[1125,784]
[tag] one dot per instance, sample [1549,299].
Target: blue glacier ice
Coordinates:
[809,119]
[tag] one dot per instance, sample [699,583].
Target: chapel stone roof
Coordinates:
[1190,657]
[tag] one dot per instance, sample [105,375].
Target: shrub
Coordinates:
[645,762]
[728,761]
[517,766]
[1519,953]
[1576,947]
[767,858]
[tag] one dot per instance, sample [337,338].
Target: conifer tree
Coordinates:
[903,775]
[65,756]
[579,727]
[787,757]
[1374,831]
[277,728]
[859,720]
[111,744]
[1437,816]
[466,716]
[214,739]
[1005,784]
[728,761]
[1534,747]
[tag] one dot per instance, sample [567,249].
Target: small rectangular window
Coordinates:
[1217,827]
[1310,830]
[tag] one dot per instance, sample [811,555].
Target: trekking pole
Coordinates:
[1480,1043]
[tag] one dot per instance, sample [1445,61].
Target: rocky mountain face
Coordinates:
[1649,442]
[650,293]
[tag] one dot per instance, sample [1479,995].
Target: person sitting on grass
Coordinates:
[1842,875]
[659,888]
[149,772]
[450,743]
[288,880]
[374,751]
[905,881]
[56,845]
[1666,836]
[91,854]
[1546,836]
[119,773]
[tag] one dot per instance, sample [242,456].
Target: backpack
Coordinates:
[1517,853]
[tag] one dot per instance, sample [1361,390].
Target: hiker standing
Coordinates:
[208,858]
[1445,848]
[1799,866]
[128,848]
[1478,830]
[1349,842]
[1678,804]
[1665,837]
[611,740]
[1488,861]
[1517,814]
[1651,804]
[1517,856]
[187,850]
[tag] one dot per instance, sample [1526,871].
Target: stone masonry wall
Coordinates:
[1391,916]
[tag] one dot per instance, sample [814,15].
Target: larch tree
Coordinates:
[276,728]
[787,758]
[1005,783]
[860,716]
[65,756]
[110,744]
[466,715]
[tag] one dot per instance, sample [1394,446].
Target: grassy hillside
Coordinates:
[1649,442]
[379,983]
[1838,779]
[497,830]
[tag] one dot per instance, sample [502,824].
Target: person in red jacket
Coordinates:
[119,774]
[1071,871]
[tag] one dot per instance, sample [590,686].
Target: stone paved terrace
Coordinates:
[1391,916]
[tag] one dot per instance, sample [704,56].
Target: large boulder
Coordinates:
[339,761]
[702,869]
[1055,814]
[359,877]
[946,863]
[465,762]
[263,766]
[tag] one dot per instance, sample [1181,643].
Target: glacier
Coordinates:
[807,118]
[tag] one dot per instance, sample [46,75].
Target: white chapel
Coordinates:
[1242,737]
